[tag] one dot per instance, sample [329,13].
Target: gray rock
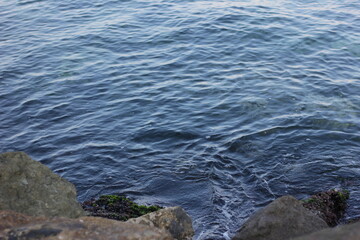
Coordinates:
[284,218]
[173,219]
[343,232]
[20,226]
[30,187]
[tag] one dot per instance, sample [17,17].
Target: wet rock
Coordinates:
[27,227]
[284,218]
[329,205]
[30,187]
[116,207]
[342,232]
[173,219]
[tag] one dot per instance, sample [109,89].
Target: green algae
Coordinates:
[310,200]
[116,207]
[329,205]
[344,195]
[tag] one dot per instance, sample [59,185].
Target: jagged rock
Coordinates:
[342,232]
[30,187]
[173,219]
[282,219]
[84,228]
[329,205]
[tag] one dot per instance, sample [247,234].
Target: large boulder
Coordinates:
[343,232]
[173,219]
[30,187]
[19,226]
[282,219]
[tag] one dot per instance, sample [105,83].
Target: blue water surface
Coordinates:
[216,106]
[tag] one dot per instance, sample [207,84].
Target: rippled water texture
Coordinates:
[217,106]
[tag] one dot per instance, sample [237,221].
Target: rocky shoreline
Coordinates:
[35,203]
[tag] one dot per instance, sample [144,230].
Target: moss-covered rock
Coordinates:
[116,207]
[329,205]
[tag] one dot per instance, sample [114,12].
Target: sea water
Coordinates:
[216,106]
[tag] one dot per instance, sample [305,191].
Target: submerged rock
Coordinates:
[329,205]
[173,219]
[30,187]
[116,207]
[20,226]
[282,219]
[342,232]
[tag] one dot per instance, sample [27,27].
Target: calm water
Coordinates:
[217,106]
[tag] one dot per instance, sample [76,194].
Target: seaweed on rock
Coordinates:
[116,207]
[329,205]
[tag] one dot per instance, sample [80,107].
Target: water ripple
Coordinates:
[219,107]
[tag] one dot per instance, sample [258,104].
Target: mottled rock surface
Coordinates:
[20,226]
[173,219]
[30,187]
[9,219]
[342,232]
[282,219]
